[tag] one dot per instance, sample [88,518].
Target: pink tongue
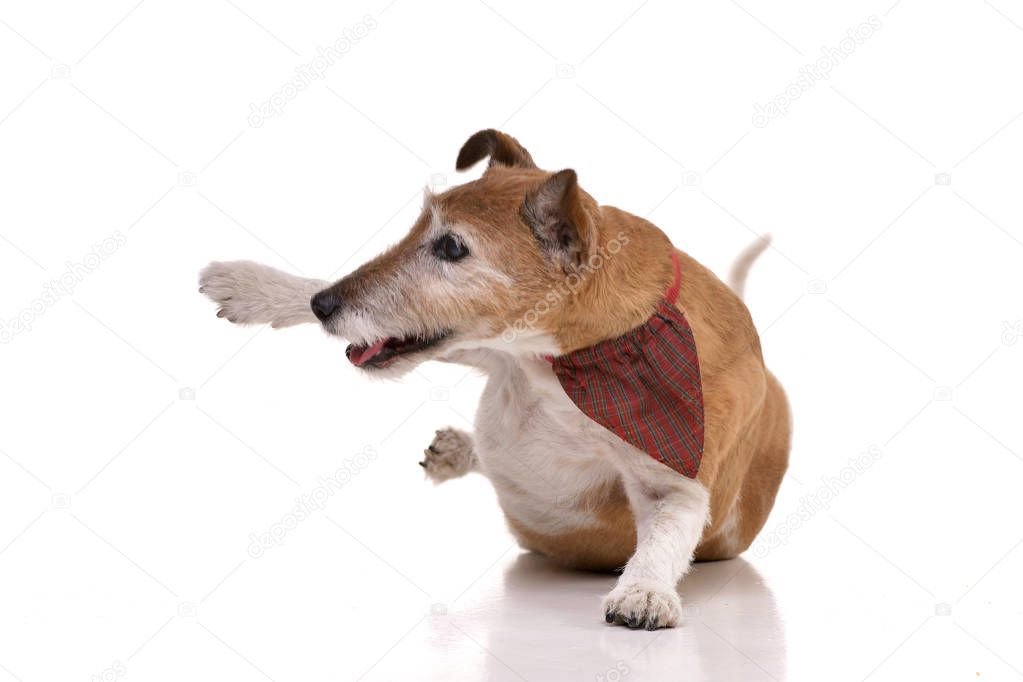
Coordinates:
[367,354]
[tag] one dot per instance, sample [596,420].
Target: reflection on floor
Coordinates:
[541,622]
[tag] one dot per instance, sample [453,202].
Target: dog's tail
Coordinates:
[740,269]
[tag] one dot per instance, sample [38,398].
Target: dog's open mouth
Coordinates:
[382,352]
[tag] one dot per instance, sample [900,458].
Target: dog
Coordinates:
[510,274]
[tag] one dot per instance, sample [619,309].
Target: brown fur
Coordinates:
[605,546]
[746,413]
[747,431]
[747,418]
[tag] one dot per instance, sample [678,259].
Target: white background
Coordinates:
[890,309]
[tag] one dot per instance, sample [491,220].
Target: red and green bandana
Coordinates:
[644,386]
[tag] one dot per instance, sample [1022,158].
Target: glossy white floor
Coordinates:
[152,456]
[157,567]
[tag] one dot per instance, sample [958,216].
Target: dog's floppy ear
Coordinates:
[554,212]
[502,149]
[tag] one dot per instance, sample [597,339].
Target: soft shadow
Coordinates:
[546,623]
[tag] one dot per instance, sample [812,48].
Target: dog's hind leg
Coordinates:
[450,455]
[250,293]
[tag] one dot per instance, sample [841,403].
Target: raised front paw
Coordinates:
[450,455]
[643,604]
[251,293]
[231,286]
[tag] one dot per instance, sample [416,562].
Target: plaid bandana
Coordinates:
[644,386]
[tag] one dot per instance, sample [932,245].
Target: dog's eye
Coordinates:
[450,248]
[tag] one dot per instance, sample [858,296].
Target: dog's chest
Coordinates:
[542,454]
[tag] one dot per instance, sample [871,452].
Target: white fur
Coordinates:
[671,512]
[532,441]
[540,456]
[429,278]
[450,455]
[728,532]
[740,269]
[539,451]
[250,293]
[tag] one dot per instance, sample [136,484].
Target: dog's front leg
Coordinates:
[450,455]
[671,512]
[250,293]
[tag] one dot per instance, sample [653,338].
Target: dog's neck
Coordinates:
[628,271]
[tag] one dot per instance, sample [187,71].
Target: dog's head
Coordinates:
[495,263]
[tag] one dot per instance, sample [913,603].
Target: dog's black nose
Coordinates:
[325,304]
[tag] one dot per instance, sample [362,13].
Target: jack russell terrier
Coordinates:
[628,419]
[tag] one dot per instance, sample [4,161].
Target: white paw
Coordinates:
[250,293]
[643,604]
[450,455]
